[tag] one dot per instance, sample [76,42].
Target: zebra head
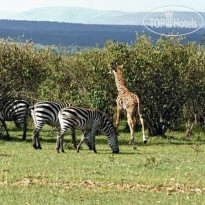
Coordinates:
[113,140]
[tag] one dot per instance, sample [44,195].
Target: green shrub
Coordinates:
[168,76]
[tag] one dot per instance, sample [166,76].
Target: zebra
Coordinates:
[90,121]
[46,112]
[16,110]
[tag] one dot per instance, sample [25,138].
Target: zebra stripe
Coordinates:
[14,110]
[90,121]
[46,112]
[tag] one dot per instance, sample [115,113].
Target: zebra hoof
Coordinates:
[145,141]
[39,147]
[8,138]
[24,137]
[57,150]
[35,147]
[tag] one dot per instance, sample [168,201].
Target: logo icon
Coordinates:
[169,14]
[173,21]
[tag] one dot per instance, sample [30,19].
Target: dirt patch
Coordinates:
[169,189]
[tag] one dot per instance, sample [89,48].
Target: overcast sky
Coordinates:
[120,5]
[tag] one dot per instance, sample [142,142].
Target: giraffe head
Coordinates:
[114,67]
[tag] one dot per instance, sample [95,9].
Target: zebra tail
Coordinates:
[30,110]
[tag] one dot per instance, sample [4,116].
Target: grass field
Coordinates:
[167,170]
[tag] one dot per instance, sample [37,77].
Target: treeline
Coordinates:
[168,76]
[82,35]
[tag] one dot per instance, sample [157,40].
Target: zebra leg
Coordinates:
[24,129]
[36,140]
[72,131]
[88,142]
[25,126]
[59,142]
[93,144]
[93,134]
[18,125]
[5,127]
[81,141]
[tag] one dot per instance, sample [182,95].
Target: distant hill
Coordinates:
[66,34]
[6,14]
[79,15]
[89,16]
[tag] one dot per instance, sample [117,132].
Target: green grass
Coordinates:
[168,170]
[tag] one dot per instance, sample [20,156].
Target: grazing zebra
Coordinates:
[46,113]
[91,121]
[14,110]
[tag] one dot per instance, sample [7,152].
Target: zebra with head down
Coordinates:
[90,121]
[14,110]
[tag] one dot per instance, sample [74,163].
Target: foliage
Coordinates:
[23,68]
[168,76]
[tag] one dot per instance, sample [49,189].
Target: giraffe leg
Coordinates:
[131,122]
[142,122]
[143,130]
[119,112]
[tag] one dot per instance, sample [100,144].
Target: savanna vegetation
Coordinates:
[168,76]
[168,170]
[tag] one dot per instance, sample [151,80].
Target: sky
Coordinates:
[118,5]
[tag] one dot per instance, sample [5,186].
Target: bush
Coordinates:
[168,76]
[22,69]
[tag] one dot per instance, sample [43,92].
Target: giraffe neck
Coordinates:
[119,80]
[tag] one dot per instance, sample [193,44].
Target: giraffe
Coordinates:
[127,101]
